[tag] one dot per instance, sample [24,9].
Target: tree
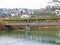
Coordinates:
[21,12]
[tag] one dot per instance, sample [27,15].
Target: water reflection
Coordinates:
[42,37]
[9,40]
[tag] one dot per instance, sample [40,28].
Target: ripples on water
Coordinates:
[9,40]
[30,38]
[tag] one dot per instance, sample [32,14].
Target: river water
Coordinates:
[9,40]
[44,37]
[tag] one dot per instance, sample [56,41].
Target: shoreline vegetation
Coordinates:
[15,30]
[45,31]
[48,18]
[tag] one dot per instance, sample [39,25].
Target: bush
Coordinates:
[2,21]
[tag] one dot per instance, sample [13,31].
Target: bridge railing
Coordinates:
[32,20]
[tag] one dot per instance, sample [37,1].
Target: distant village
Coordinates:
[51,9]
[4,12]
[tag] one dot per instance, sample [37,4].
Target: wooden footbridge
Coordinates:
[29,22]
[33,22]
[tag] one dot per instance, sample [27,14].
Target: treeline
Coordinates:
[43,12]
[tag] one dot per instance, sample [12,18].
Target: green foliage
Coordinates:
[43,12]
[2,21]
[15,18]
[45,17]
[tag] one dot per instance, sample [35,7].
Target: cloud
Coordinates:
[23,3]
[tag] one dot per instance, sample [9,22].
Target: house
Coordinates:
[14,14]
[30,12]
[25,16]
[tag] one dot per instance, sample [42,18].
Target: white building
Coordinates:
[25,16]
[57,11]
[14,14]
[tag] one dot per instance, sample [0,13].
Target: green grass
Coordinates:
[33,18]
[15,18]
[45,17]
[36,17]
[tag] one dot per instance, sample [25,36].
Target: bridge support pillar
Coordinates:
[28,31]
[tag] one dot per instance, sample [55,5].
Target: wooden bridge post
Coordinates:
[28,31]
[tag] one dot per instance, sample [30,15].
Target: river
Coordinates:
[40,37]
[9,40]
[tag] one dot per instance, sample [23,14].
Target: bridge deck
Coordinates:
[42,23]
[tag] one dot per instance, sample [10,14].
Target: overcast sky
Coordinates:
[32,4]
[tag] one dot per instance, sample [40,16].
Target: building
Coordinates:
[57,11]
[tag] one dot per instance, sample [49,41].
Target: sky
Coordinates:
[31,4]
